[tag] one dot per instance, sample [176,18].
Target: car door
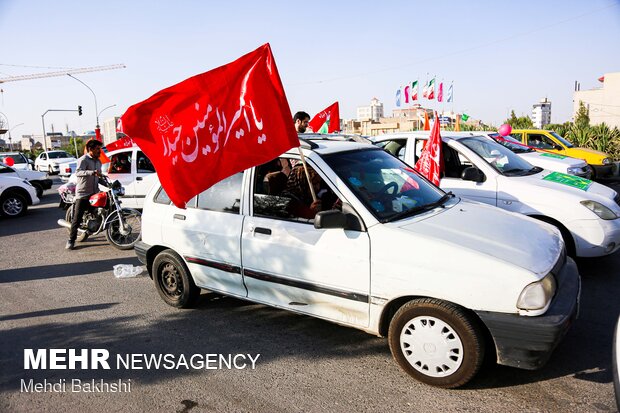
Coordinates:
[207,234]
[290,264]
[42,164]
[144,168]
[122,168]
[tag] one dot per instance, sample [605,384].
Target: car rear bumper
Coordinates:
[528,342]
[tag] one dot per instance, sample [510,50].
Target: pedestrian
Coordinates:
[88,172]
[301,120]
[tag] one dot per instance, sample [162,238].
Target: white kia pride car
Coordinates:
[445,279]
[586,213]
[50,161]
[16,194]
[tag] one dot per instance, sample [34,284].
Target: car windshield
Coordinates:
[58,155]
[510,143]
[561,139]
[502,159]
[389,188]
[17,158]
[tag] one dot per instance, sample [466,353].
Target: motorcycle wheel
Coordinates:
[81,236]
[127,241]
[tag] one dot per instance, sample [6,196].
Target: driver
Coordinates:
[302,205]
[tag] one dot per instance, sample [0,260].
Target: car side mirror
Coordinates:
[330,219]
[472,173]
[558,147]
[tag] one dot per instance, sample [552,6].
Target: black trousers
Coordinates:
[80,206]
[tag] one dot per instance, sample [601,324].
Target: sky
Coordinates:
[500,55]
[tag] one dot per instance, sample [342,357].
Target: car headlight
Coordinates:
[537,295]
[574,170]
[600,210]
[606,161]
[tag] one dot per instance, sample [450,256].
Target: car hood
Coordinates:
[31,175]
[513,238]
[552,161]
[580,153]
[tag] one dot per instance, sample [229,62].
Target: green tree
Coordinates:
[583,116]
[521,122]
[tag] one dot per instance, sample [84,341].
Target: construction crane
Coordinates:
[60,73]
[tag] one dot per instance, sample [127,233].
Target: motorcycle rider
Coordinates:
[87,173]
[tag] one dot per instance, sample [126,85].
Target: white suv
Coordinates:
[395,257]
[16,194]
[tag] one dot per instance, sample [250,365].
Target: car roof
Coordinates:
[331,143]
[425,134]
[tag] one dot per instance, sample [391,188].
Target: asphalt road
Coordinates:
[52,298]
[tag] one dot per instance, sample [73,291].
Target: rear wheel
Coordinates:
[13,205]
[81,235]
[125,238]
[173,280]
[436,342]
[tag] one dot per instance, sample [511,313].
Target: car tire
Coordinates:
[13,205]
[50,170]
[436,342]
[173,280]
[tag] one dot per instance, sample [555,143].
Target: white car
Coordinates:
[586,213]
[39,180]
[49,161]
[16,194]
[397,257]
[616,362]
[546,160]
[20,161]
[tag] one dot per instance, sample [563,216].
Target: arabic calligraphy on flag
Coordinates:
[214,124]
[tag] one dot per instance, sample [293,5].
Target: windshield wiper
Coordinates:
[420,208]
[513,171]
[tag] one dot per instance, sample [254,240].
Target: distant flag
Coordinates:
[427,122]
[425,90]
[440,93]
[414,91]
[430,163]
[449,97]
[327,121]
[431,89]
[398,98]
[406,90]
[464,117]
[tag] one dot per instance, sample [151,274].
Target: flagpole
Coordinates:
[303,161]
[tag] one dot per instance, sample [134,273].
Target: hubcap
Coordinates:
[431,346]
[171,281]
[12,206]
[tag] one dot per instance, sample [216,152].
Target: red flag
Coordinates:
[214,125]
[326,121]
[119,144]
[430,163]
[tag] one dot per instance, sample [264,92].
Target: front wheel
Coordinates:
[173,280]
[436,342]
[124,237]
[13,205]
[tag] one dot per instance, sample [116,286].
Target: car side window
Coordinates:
[120,163]
[5,169]
[454,162]
[397,147]
[538,140]
[144,164]
[517,136]
[225,196]
[162,197]
[281,195]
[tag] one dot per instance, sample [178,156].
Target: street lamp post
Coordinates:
[10,140]
[7,123]
[97,129]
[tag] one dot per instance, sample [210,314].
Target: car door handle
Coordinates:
[260,230]
[179,216]
[139,178]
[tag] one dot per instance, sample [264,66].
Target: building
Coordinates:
[603,103]
[108,130]
[541,113]
[372,112]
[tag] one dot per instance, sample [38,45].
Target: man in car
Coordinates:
[301,120]
[87,173]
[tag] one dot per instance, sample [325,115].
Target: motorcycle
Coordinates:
[122,226]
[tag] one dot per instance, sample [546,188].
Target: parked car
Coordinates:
[546,160]
[586,213]
[20,161]
[37,179]
[65,170]
[616,363]
[16,194]
[600,162]
[49,161]
[395,257]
